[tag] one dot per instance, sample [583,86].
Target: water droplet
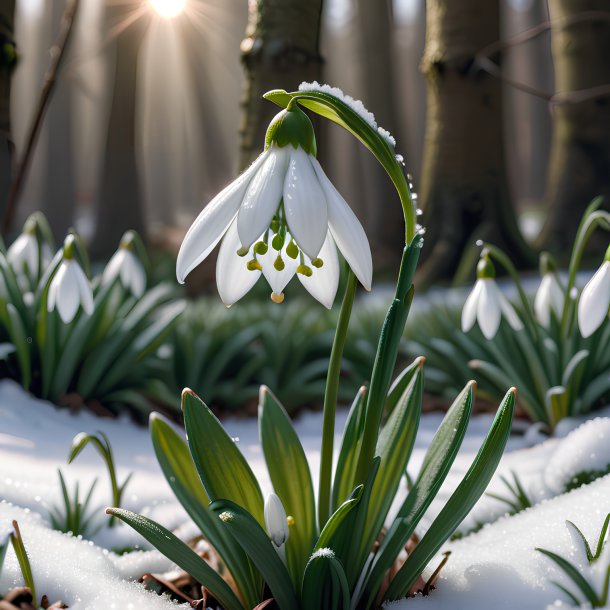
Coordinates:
[479,242]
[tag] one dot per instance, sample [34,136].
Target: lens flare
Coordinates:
[168,8]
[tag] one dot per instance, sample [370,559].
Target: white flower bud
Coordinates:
[275,520]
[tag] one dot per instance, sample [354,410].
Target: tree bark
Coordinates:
[7,20]
[464,187]
[59,201]
[120,206]
[580,158]
[280,50]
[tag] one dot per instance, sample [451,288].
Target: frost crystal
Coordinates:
[324,552]
[356,105]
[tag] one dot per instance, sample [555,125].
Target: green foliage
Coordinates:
[517,498]
[584,587]
[104,357]
[585,477]
[22,558]
[74,515]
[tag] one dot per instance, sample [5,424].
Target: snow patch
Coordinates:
[356,105]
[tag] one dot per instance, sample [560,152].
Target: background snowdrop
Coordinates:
[595,299]
[69,288]
[281,217]
[550,296]
[125,265]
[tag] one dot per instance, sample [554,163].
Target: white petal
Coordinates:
[304,204]
[212,222]
[488,310]
[84,289]
[469,313]
[549,297]
[52,294]
[136,274]
[275,520]
[67,298]
[557,296]
[509,312]
[233,279]
[594,301]
[262,197]
[346,230]
[278,280]
[114,266]
[323,283]
[23,254]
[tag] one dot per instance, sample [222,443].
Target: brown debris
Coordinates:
[20,598]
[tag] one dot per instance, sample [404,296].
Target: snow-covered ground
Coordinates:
[497,565]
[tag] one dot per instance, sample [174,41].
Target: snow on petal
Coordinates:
[324,281]
[233,279]
[213,221]
[304,204]
[262,198]
[488,309]
[346,230]
[469,313]
[594,301]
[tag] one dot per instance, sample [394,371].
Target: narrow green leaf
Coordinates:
[181,554]
[17,333]
[223,470]
[325,584]
[332,531]
[177,465]
[291,478]
[399,385]
[461,501]
[255,542]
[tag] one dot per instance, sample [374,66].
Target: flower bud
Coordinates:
[275,520]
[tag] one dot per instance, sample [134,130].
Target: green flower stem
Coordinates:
[330,400]
[501,258]
[387,353]
[591,220]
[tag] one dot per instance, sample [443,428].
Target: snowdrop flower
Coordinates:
[595,299]
[280,217]
[486,303]
[69,287]
[125,265]
[25,253]
[276,520]
[550,296]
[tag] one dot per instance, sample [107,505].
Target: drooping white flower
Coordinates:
[550,297]
[595,299]
[125,265]
[24,254]
[486,304]
[280,217]
[69,287]
[276,520]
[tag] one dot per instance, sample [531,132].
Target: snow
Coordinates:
[484,570]
[356,105]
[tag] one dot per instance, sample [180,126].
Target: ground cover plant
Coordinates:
[75,341]
[555,349]
[294,548]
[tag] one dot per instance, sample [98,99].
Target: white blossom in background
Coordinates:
[125,265]
[281,217]
[595,299]
[69,288]
[550,297]
[25,253]
[486,304]
[276,521]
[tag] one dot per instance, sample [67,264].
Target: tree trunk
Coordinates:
[120,206]
[580,157]
[7,17]
[384,220]
[464,188]
[280,50]
[59,201]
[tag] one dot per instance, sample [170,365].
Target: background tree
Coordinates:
[464,187]
[7,63]
[119,203]
[281,48]
[580,156]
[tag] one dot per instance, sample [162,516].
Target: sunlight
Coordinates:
[168,8]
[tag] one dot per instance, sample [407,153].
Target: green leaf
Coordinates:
[17,333]
[177,465]
[181,554]
[399,385]
[333,532]
[291,478]
[345,471]
[223,470]
[461,501]
[577,578]
[435,467]
[324,583]
[255,542]
[592,557]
